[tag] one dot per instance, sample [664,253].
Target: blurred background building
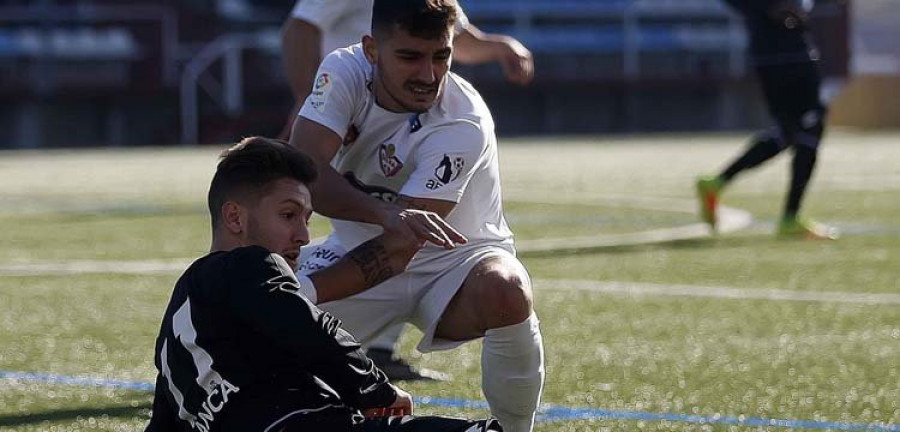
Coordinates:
[107,72]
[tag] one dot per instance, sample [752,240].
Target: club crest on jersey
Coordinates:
[447,170]
[390,165]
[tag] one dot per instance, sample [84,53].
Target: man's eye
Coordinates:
[288,215]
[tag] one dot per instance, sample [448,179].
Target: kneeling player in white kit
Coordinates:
[401,132]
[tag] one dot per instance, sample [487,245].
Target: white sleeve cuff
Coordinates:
[308,289]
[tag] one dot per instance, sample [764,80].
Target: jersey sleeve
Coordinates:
[445,162]
[321,13]
[265,295]
[336,92]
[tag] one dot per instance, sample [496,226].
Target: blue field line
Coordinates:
[63,379]
[550,413]
[546,413]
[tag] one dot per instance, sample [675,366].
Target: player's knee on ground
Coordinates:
[504,293]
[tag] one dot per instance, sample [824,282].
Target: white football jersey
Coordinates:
[447,153]
[345,22]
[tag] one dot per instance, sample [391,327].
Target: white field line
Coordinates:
[719,292]
[730,220]
[626,288]
[87,266]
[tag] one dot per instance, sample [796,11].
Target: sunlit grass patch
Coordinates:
[824,361]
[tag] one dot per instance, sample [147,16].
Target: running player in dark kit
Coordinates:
[786,65]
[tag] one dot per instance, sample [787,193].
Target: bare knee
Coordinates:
[504,294]
[496,293]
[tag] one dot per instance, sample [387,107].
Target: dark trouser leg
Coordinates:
[768,144]
[801,172]
[792,95]
[763,147]
[427,424]
[802,117]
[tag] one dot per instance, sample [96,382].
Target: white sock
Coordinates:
[512,373]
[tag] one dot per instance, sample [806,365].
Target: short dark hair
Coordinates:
[426,19]
[246,169]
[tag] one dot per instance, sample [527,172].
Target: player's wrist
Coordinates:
[385,215]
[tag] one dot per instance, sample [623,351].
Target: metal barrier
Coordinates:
[228,94]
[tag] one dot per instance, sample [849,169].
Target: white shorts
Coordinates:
[418,296]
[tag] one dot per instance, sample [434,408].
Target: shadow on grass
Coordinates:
[719,242]
[141,410]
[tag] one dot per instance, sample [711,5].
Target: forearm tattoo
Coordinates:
[373,261]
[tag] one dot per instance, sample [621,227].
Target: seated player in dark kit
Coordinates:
[242,347]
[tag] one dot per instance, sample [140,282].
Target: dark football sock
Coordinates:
[801,171]
[762,148]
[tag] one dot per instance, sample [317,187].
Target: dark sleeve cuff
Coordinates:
[385,396]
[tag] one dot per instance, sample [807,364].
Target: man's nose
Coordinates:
[301,235]
[426,71]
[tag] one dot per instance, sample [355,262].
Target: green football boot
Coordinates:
[805,229]
[708,189]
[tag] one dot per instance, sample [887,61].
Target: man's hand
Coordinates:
[402,406]
[515,60]
[474,46]
[421,226]
[790,14]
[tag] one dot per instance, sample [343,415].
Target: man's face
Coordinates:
[410,71]
[278,221]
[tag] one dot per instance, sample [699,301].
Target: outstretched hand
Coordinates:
[402,406]
[422,226]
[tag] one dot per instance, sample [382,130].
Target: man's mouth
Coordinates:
[421,89]
[291,257]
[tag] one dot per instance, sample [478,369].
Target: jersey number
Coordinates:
[217,388]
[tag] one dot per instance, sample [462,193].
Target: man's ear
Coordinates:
[234,217]
[370,49]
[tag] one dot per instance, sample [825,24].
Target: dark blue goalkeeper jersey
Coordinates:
[239,348]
